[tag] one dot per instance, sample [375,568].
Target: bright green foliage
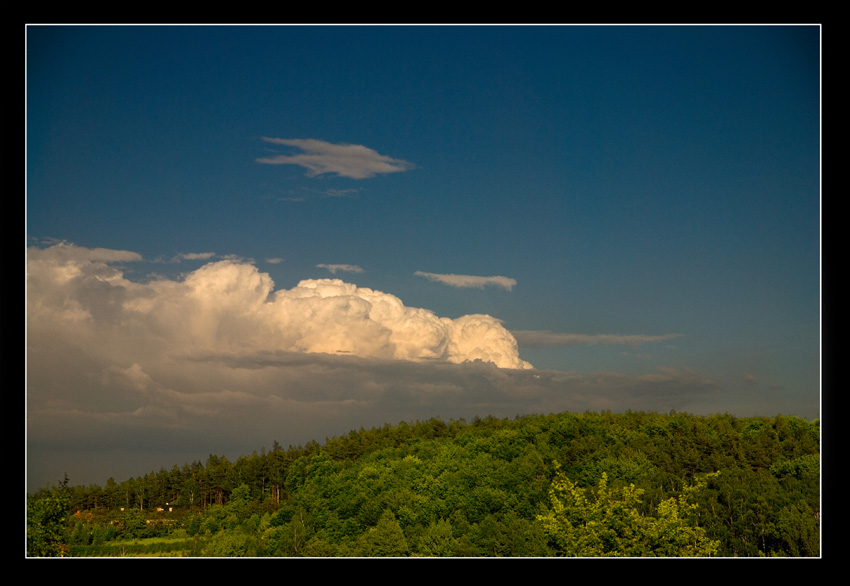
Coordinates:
[437,540]
[608,522]
[231,544]
[483,489]
[47,517]
[386,539]
[231,529]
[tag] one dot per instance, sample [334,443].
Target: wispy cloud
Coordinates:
[347,160]
[344,268]
[547,339]
[469,281]
[63,251]
[340,192]
[194,256]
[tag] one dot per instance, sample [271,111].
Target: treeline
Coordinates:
[487,487]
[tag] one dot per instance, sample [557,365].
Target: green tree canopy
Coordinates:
[47,519]
[606,522]
[386,539]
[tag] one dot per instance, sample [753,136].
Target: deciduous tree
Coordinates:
[607,522]
[47,515]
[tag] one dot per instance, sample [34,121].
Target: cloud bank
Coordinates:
[124,377]
[469,281]
[346,160]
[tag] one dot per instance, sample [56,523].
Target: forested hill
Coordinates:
[588,484]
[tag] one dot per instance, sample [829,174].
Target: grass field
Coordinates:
[148,547]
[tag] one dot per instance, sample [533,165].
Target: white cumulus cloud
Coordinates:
[347,160]
[231,306]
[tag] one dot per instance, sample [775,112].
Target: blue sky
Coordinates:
[638,206]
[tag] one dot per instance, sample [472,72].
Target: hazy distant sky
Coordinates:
[242,234]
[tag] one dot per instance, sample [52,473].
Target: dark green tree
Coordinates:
[799,529]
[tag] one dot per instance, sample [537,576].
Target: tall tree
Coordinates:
[386,539]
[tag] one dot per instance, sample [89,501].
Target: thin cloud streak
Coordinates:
[469,281]
[344,268]
[194,256]
[547,339]
[346,160]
